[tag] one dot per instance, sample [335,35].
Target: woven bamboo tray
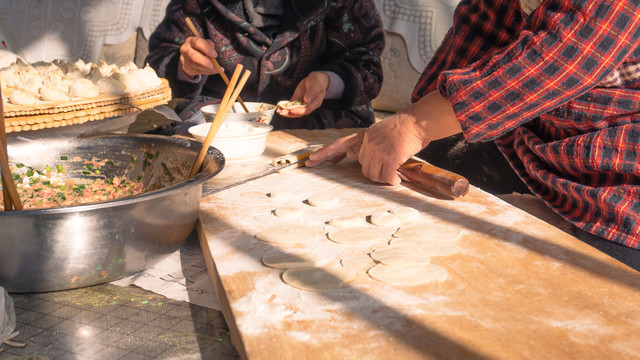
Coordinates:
[56,114]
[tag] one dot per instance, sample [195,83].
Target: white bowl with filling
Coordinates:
[258,112]
[237,140]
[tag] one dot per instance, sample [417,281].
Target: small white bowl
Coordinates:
[258,112]
[237,140]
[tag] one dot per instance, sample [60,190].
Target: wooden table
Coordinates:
[519,288]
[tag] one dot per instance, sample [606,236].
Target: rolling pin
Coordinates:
[434,178]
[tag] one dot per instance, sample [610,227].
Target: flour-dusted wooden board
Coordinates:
[519,288]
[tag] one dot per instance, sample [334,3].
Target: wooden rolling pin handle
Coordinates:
[434,178]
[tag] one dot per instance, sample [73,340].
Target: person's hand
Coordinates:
[387,144]
[195,57]
[348,146]
[310,91]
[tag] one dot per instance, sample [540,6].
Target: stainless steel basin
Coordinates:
[63,248]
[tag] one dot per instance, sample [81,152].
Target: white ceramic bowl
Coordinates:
[237,140]
[258,112]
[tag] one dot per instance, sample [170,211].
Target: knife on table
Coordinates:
[279,164]
[416,171]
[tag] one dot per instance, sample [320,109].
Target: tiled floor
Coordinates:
[111,322]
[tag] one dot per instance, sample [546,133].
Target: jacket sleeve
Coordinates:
[355,41]
[164,46]
[563,50]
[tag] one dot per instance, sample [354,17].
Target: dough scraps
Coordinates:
[359,264]
[359,235]
[410,274]
[401,254]
[317,278]
[290,261]
[347,222]
[323,201]
[290,213]
[423,232]
[385,219]
[431,248]
[406,214]
[287,234]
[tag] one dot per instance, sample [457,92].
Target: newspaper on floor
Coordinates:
[181,276]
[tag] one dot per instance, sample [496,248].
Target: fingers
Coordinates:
[311,91]
[195,57]
[336,150]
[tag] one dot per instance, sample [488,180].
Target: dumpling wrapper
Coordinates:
[318,278]
[408,275]
[287,234]
[290,260]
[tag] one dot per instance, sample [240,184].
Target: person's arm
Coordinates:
[165,43]
[564,49]
[386,145]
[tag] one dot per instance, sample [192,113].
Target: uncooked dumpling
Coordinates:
[317,278]
[23,97]
[84,88]
[110,86]
[409,275]
[287,234]
[50,92]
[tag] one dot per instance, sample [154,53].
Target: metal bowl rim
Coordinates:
[199,178]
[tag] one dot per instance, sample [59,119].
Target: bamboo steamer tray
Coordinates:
[56,114]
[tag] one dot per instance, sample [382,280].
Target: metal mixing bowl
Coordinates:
[69,247]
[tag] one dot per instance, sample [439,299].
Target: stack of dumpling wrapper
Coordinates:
[59,93]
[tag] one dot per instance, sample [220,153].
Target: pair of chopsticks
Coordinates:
[9,192]
[214,61]
[230,96]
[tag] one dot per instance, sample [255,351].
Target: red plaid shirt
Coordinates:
[559,93]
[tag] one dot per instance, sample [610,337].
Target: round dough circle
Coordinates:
[399,255]
[430,248]
[384,219]
[422,232]
[323,201]
[289,213]
[410,274]
[290,261]
[359,235]
[359,264]
[287,234]
[406,214]
[347,222]
[284,194]
[317,278]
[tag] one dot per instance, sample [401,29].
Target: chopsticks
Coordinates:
[230,95]
[9,192]
[214,61]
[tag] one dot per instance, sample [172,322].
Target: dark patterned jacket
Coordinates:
[342,36]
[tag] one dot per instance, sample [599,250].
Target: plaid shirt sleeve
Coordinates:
[562,51]
[535,86]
